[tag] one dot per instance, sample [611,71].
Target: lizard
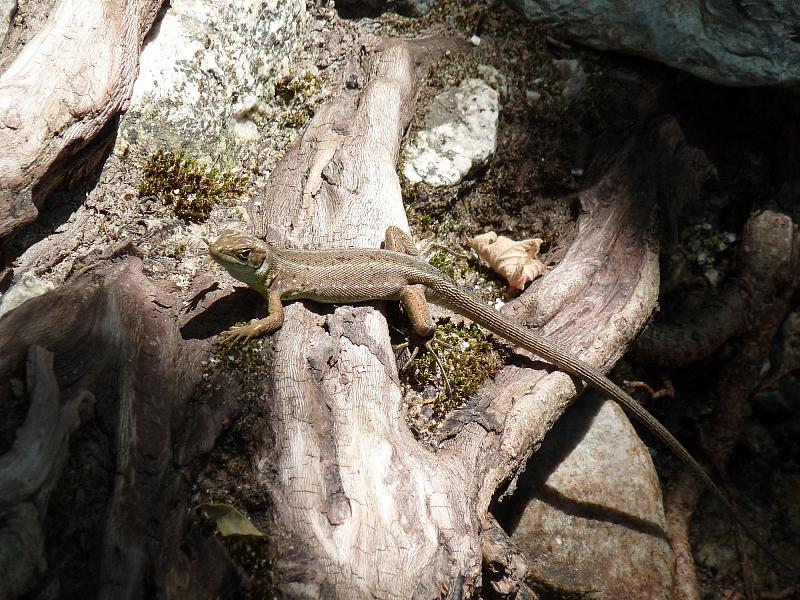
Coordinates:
[398,273]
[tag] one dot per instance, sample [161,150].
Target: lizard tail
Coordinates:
[453,297]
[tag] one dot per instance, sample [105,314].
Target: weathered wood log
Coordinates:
[377,513]
[114,523]
[64,87]
[359,508]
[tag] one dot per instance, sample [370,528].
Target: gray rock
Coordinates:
[732,43]
[460,133]
[8,8]
[207,72]
[593,521]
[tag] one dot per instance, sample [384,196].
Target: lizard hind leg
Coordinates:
[397,240]
[412,298]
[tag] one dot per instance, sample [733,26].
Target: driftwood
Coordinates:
[357,506]
[115,523]
[765,283]
[65,86]
[376,512]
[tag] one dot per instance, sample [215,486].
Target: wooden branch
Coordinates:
[594,302]
[373,511]
[770,263]
[30,471]
[722,316]
[117,511]
[599,296]
[66,84]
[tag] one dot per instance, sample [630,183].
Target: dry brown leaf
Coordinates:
[517,261]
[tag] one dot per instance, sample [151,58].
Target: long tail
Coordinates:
[468,305]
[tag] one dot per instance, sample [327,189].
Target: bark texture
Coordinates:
[104,515]
[357,507]
[65,86]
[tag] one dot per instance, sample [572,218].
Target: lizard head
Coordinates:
[245,257]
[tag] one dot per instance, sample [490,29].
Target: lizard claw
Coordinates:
[428,345]
[239,334]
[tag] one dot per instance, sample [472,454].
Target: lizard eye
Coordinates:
[244,254]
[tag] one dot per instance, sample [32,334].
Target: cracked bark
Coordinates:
[113,522]
[408,522]
[65,86]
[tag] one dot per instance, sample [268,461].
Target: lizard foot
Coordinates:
[239,334]
[428,345]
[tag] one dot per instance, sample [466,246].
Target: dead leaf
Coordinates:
[518,262]
[229,520]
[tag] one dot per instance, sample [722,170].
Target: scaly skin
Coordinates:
[360,275]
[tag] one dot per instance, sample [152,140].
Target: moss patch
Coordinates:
[190,187]
[298,94]
[468,356]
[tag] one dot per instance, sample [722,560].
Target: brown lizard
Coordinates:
[398,273]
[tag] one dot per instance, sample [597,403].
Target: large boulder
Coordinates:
[732,43]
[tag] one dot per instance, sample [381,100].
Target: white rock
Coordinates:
[494,78]
[460,133]
[8,9]
[204,70]
[26,288]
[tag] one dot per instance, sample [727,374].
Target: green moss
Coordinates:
[468,358]
[446,263]
[247,358]
[190,187]
[296,90]
[297,118]
[298,94]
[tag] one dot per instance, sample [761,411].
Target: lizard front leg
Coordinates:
[272,322]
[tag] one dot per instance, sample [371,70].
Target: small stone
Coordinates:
[573,76]
[494,78]
[460,133]
[532,97]
[353,82]
[475,40]
[29,286]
